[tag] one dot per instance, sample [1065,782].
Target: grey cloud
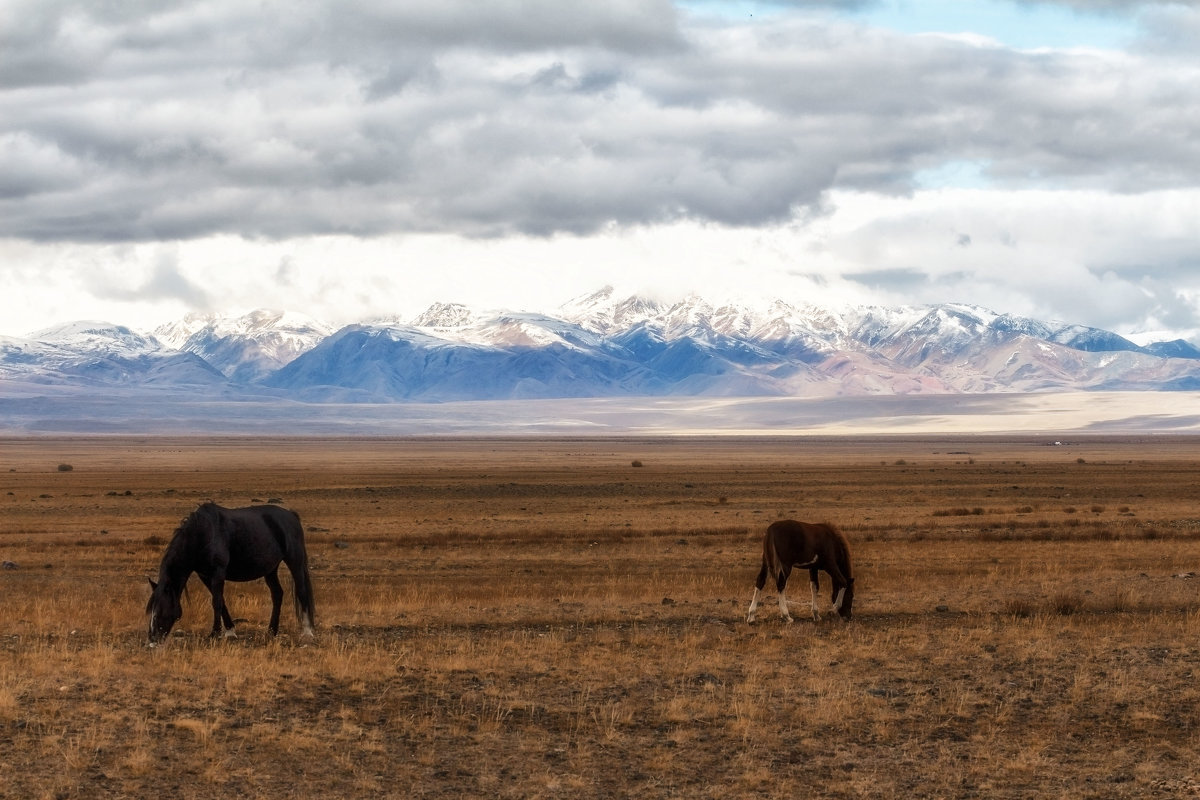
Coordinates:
[891,280]
[1117,304]
[361,118]
[1159,295]
[1144,298]
[1171,30]
[166,281]
[285,272]
[1169,307]
[505,25]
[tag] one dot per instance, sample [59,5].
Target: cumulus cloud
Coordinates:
[897,279]
[163,280]
[1122,262]
[800,148]
[179,120]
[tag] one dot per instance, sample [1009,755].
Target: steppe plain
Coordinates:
[549,617]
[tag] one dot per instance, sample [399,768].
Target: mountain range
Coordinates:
[602,345]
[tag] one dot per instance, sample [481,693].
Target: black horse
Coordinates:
[235,544]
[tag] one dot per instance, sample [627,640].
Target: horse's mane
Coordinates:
[207,509]
[178,541]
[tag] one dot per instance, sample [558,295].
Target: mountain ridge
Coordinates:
[605,345]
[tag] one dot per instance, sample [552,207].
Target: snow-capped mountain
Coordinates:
[507,359]
[98,353]
[1176,348]
[603,345]
[604,313]
[446,316]
[247,348]
[90,336]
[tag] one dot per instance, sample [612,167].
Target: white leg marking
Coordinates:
[837,604]
[230,633]
[783,606]
[308,627]
[816,614]
[753,606]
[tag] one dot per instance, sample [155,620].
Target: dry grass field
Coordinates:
[565,618]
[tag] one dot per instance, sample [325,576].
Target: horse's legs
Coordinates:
[272,579]
[839,587]
[812,582]
[780,583]
[758,585]
[216,587]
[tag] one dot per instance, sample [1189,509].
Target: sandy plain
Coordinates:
[565,617]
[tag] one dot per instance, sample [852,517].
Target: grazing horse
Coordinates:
[789,544]
[236,544]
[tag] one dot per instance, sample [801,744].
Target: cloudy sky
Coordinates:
[353,158]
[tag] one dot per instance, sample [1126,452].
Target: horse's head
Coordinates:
[847,606]
[164,610]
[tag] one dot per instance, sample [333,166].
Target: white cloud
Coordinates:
[1118,261]
[359,157]
[220,118]
[1061,255]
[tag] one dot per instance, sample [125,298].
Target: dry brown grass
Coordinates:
[543,619]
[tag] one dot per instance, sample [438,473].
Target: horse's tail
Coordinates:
[291,541]
[305,612]
[771,564]
[302,581]
[772,554]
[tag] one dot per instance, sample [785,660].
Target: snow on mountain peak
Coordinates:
[254,323]
[96,335]
[606,343]
[248,346]
[445,315]
[601,312]
[597,299]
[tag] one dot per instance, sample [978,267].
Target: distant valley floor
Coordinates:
[27,409]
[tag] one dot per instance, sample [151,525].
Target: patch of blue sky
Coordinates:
[1025,25]
[954,175]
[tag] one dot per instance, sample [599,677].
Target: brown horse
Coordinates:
[789,544]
